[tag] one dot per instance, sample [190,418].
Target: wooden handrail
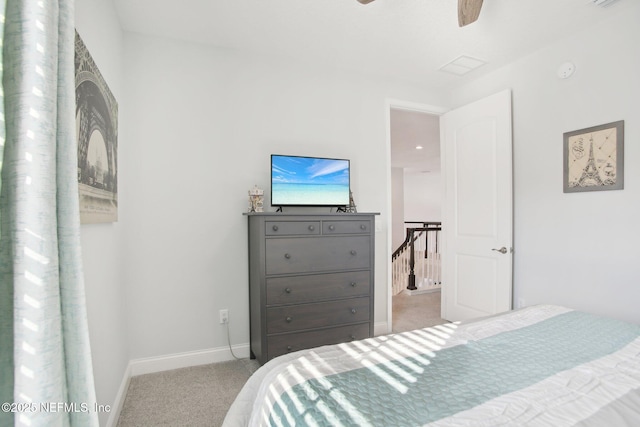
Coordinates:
[426,225]
[413,233]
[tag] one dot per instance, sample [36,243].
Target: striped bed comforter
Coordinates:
[540,366]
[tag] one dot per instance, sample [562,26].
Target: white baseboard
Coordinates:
[184,360]
[150,365]
[118,402]
[380,328]
[420,291]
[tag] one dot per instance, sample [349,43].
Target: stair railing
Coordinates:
[416,263]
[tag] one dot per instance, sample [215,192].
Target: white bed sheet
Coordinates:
[607,387]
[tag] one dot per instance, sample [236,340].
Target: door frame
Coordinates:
[409,106]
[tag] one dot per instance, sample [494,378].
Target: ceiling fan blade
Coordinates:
[468,11]
[365,1]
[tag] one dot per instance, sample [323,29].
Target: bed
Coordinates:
[539,366]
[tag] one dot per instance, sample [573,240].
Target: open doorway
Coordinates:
[416,188]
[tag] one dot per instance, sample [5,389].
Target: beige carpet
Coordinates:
[417,311]
[195,396]
[201,395]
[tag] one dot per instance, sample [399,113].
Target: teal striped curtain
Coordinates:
[45,359]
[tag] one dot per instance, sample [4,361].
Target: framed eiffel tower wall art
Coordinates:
[97,135]
[594,158]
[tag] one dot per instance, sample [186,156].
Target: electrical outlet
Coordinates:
[224,315]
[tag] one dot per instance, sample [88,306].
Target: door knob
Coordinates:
[502,250]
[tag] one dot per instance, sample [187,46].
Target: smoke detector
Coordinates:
[566,70]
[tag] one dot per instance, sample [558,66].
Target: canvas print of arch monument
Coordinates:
[97,135]
[594,158]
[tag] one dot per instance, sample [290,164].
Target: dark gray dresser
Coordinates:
[310,280]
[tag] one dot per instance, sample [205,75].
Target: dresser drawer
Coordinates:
[346,227]
[317,287]
[292,228]
[317,315]
[286,343]
[296,255]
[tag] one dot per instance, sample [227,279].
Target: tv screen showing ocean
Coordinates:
[309,194]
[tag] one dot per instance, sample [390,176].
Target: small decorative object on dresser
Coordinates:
[352,205]
[256,199]
[311,280]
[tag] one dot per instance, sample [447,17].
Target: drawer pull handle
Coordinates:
[353,284]
[289,319]
[353,252]
[289,348]
[275,228]
[311,228]
[288,290]
[287,256]
[363,227]
[353,311]
[332,227]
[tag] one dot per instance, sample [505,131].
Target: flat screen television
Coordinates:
[309,181]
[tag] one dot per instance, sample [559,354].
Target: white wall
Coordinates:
[197,126]
[422,196]
[98,26]
[416,196]
[397,208]
[575,249]
[202,123]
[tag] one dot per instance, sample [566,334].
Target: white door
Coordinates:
[477,213]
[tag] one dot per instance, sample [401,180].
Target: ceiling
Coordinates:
[404,39]
[410,129]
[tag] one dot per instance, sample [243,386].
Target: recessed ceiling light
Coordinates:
[418,147]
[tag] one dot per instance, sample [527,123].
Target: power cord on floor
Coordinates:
[229,341]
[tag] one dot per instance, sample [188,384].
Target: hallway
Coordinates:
[417,311]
